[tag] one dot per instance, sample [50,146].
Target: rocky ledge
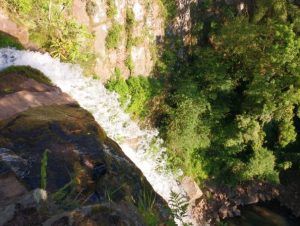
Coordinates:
[58,167]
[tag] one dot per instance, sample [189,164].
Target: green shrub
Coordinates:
[113,37]
[129,19]
[9,41]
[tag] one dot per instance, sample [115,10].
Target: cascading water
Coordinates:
[104,106]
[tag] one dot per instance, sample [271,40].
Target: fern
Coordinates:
[178,205]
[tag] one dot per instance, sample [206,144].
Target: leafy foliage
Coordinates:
[147,209]
[134,93]
[113,37]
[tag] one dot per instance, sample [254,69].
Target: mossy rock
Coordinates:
[77,147]
[7,40]
[12,77]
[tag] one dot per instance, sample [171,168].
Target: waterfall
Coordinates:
[143,147]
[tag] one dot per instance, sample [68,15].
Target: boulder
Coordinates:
[191,188]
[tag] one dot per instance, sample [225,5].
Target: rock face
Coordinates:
[60,148]
[148,28]
[221,202]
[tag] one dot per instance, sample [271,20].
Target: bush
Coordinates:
[53,29]
[119,85]
[139,90]
[113,37]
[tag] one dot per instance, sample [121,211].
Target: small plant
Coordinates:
[44,163]
[129,19]
[109,194]
[111,9]
[179,205]
[113,37]
[146,207]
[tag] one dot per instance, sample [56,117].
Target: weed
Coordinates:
[44,163]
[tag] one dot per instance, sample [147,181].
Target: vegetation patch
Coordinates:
[52,28]
[135,93]
[113,37]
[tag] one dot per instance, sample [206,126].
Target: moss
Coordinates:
[26,71]
[9,41]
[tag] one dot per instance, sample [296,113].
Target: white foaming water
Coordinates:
[104,106]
